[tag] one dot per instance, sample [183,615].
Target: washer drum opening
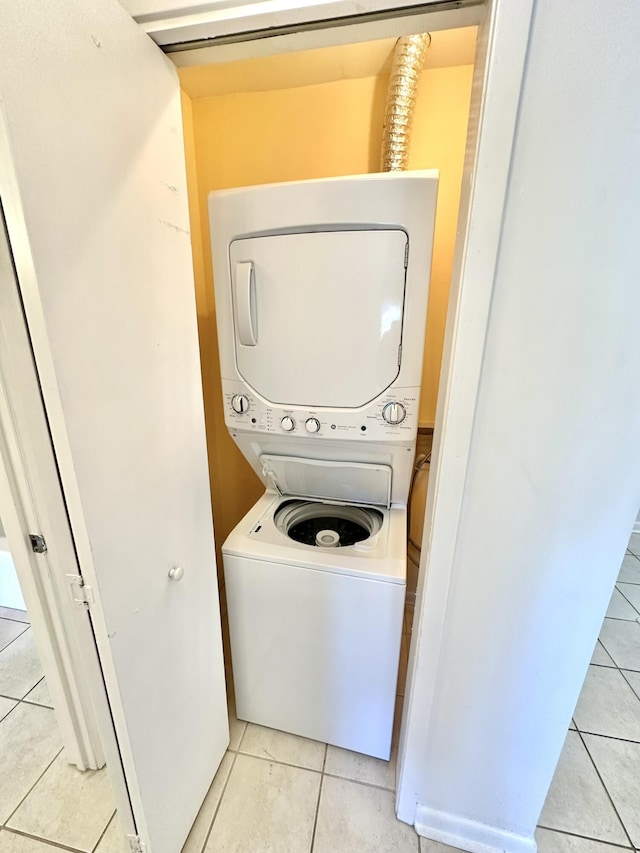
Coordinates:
[325,525]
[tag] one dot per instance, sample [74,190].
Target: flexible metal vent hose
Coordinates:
[408,61]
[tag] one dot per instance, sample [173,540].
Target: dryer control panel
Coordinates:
[386,419]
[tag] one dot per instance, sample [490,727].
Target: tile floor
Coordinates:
[281,793]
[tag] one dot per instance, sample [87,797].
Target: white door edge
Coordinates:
[499,73]
[31,501]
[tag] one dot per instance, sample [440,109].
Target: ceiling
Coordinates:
[321,65]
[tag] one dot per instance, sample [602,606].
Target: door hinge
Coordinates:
[406,255]
[399,355]
[135,844]
[81,593]
[38,544]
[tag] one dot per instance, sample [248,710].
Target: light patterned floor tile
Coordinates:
[198,835]
[622,642]
[607,705]
[113,841]
[361,768]
[634,680]
[619,607]
[12,613]
[9,630]
[236,727]
[600,656]
[6,705]
[558,842]
[429,846]
[20,668]
[12,843]
[281,746]
[634,544]
[355,818]
[29,741]
[67,806]
[630,570]
[577,802]
[40,694]
[266,807]
[618,763]
[631,591]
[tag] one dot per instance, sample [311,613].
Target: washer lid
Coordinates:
[346,482]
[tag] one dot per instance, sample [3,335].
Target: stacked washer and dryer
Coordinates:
[321,297]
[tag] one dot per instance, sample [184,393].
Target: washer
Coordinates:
[321,295]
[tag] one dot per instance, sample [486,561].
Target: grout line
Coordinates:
[104,831]
[19,621]
[277,761]
[587,837]
[361,782]
[217,808]
[630,602]
[36,704]
[242,736]
[315,819]
[55,844]
[622,673]
[25,701]
[30,791]
[622,618]
[607,737]
[11,642]
[613,805]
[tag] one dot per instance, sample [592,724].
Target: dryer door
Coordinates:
[318,315]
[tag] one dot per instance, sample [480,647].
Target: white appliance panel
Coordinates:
[315,653]
[382,557]
[318,315]
[348,482]
[398,457]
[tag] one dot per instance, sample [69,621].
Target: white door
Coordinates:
[95,200]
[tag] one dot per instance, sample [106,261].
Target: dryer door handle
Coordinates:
[245,299]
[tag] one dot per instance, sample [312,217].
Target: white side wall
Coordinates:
[552,486]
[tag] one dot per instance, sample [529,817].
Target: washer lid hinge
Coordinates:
[135,844]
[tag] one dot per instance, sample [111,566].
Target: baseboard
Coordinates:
[470,835]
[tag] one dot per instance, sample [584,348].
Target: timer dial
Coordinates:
[312,424]
[240,403]
[394,413]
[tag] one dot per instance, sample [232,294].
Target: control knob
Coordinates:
[240,403]
[312,424]
[394,413]
[287,423]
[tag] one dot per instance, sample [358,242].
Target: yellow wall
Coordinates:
[312,131]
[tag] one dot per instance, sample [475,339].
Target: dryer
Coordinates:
[321,295]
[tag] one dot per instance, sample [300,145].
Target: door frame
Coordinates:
[502,44]
[25,477]
[497,85]
[32,500]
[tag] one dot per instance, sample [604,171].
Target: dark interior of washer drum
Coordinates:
[326,525]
